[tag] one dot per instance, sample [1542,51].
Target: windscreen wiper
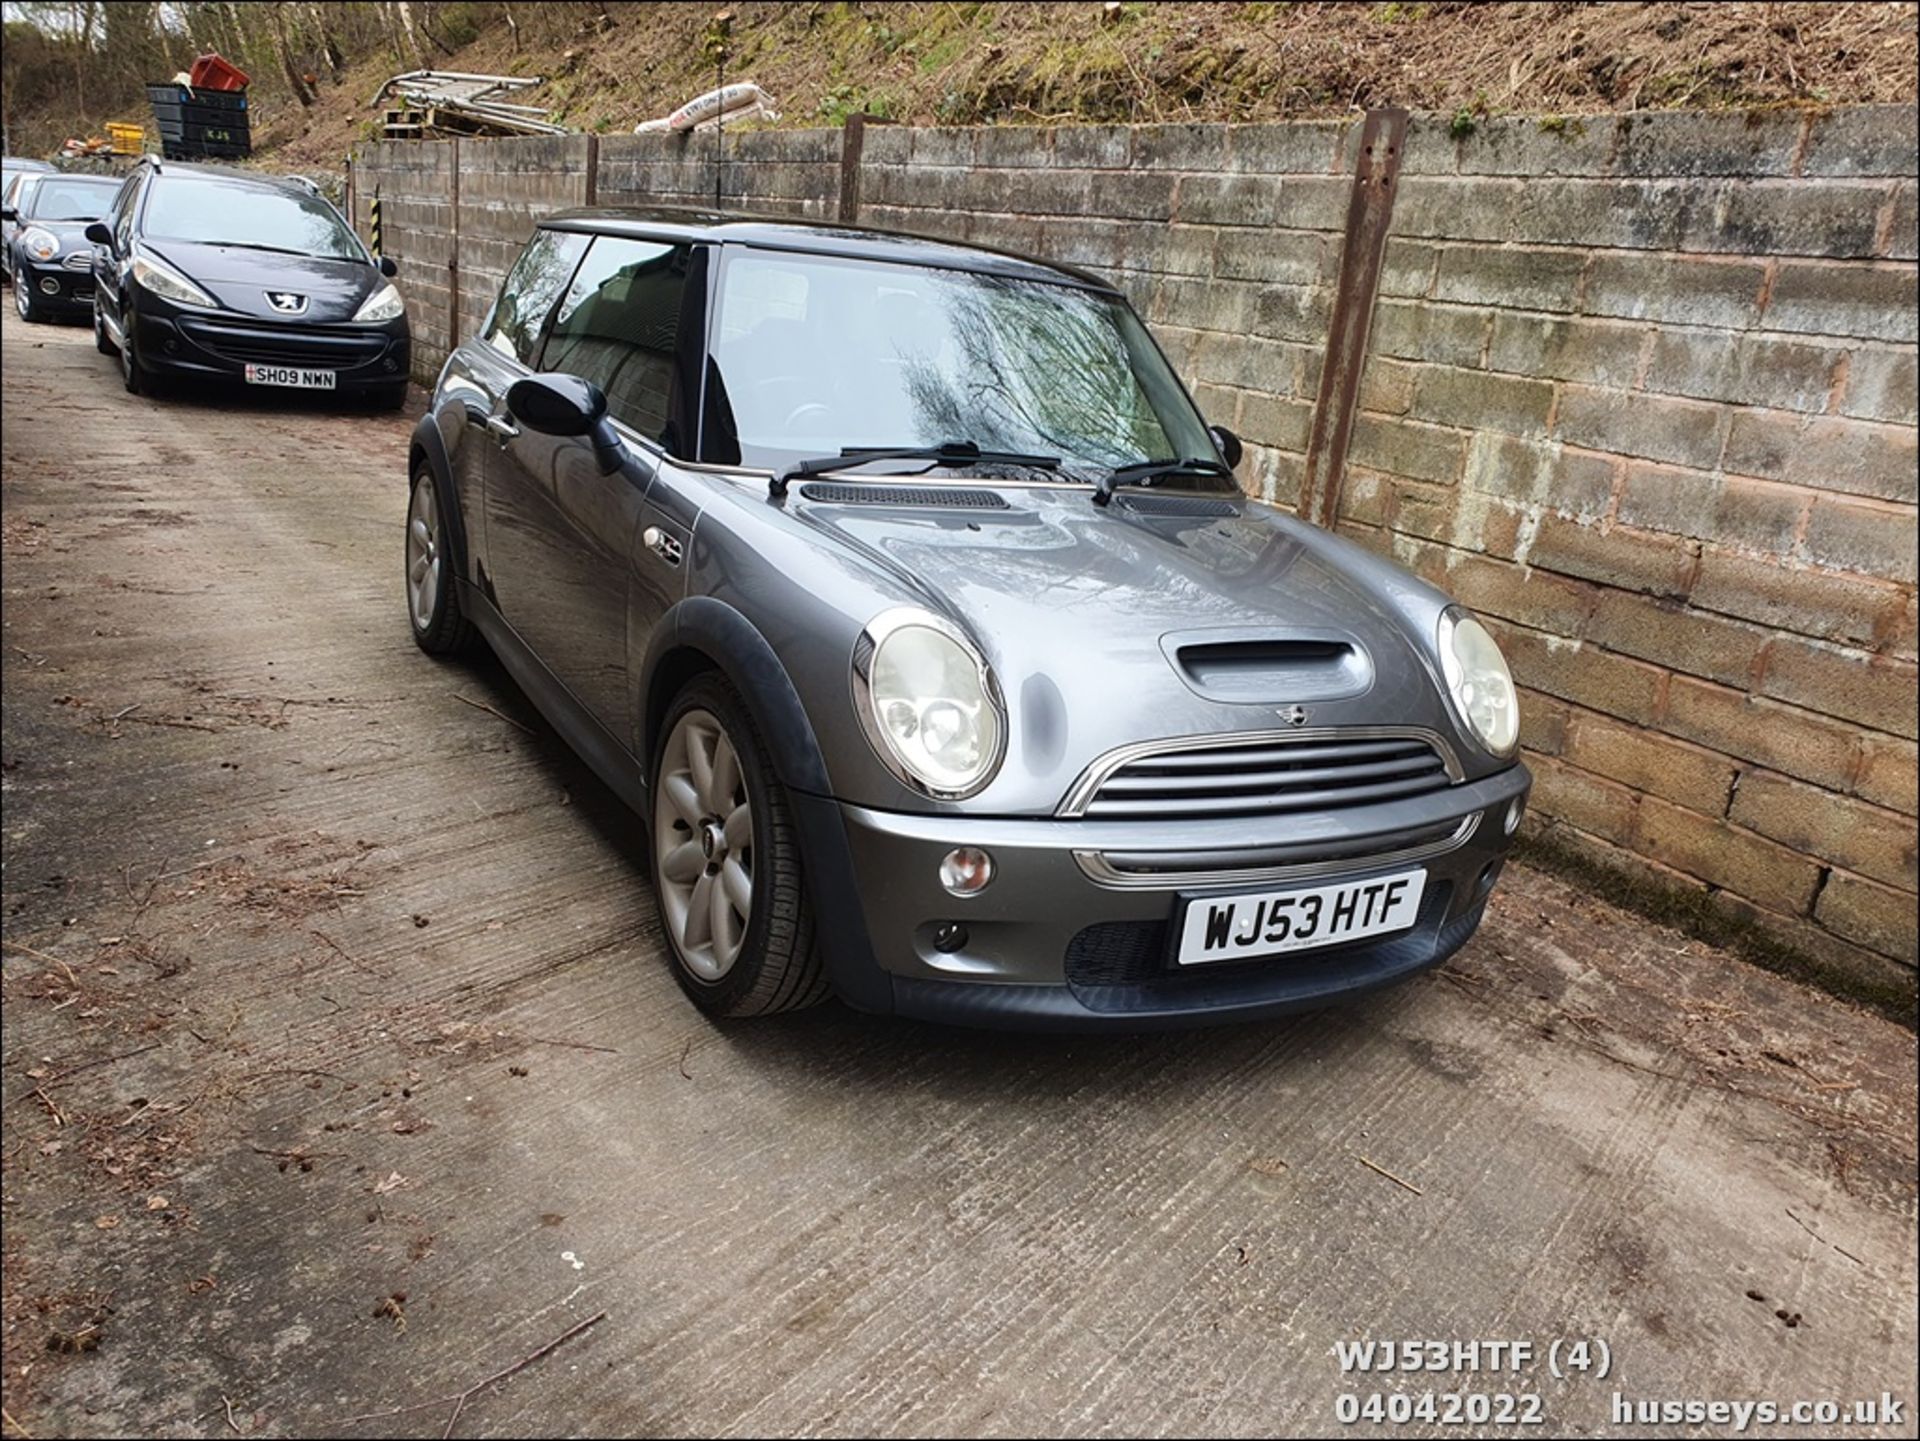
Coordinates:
[270,249]
[1145,472]
[947,452]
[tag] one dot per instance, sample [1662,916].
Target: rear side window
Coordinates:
[619,326]
[533,285]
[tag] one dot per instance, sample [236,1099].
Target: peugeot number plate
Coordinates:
[292,375]
[1266,923]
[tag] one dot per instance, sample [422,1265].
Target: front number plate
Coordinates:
[1267,923]
[291,375]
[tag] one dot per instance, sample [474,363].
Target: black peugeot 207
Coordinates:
[209,273]
[47,251]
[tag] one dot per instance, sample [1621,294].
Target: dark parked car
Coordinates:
[209,273]
[49,255]
[13,170]
[902,591]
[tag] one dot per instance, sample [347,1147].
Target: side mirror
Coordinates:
[99,234]
[9,213]
[389,267]
[560,404]
[1229,443]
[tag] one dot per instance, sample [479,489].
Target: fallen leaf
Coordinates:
[106,1223]
[156,1203]
[393,1183]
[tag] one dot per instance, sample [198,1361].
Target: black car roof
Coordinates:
[254,178]
[724,227]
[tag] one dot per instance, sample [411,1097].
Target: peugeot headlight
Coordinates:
[383,304]
[40,244]
[1479,682]
[169,284]
[928,703]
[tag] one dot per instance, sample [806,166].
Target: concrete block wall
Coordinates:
[1638,389]
[1642,392]
[793,173]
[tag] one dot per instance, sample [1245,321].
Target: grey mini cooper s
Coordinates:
[903,593]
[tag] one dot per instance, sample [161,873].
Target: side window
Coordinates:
[619,326]
[532,286]
[126,205]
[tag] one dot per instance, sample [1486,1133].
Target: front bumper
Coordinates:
[219,345]
[1061,941]
[71,291]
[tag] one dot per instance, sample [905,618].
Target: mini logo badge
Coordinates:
[1294,715]
[286,302]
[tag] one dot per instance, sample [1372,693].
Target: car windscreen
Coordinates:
[216,212]
[51,198]
[811,354]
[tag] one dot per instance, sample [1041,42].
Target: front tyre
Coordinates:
[102,341]
[726,862]
[433,600]
[24,302]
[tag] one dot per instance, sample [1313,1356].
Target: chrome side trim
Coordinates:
[1096,868]
[1097,774]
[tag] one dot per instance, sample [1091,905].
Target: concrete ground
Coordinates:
[343,1071]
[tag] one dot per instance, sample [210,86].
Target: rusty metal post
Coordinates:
[853,139]
[1383,135]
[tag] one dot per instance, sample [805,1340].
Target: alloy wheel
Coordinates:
[703,845]
[423,552]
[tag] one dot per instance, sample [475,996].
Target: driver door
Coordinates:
[632,311]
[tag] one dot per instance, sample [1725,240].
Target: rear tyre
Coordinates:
[726,862]
[433,600]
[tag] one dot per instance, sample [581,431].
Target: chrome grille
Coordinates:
[78,260]
[1262,774]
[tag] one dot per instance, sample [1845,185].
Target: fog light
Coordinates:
[966,870]
[1515,809]
[949,937]
[49,286]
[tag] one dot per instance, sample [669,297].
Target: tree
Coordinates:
[296,82]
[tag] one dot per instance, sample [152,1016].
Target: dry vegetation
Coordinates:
[608,67]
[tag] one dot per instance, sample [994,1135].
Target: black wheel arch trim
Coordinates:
[735,647]
[428,442]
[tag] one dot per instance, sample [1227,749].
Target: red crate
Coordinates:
[213,72]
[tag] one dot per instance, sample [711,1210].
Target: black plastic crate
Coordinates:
[174,112]
[171,94]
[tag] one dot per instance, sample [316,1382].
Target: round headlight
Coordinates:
[1479,682]
[40,244]
[928,703]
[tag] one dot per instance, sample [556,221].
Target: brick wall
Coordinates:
[1640,390]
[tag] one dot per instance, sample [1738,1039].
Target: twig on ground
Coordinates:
[571,1045]
[52,1110]
[1382,1170]
[342,951]
[685,1051]
[500,715]
[460,1399]
[26,950]
[124,713]
[68,1075]
[6,1415]
[232,1425]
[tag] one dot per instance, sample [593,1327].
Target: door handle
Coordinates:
[503,429]
[661,544]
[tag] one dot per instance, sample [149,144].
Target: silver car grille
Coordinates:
[1266,773]
[79,260]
